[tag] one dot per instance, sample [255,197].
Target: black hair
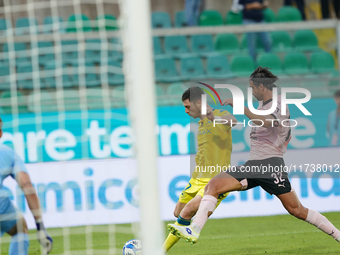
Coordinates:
[337,93]
[264,76]
[193,94]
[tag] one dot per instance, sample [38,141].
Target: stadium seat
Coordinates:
[47,102]
[192,68]
[202,44]
[48,24]
[21,54]
[165,70]
[242,65]
[106,22]
[295,63]
[157,47]
[281,41]
[50,81]
[115,74]
[4,24]
[115,52]
[24,76]
[93,50]
[160,20]
[176,46]
[46,52]
[271,61]
[174,92]
[73,25]
[23,26]
[289,14]
[180,20]
[305,40]
[210,18]
[218,67]
[69,50]
[91,78]
[269,15]
[73,99]
[5,98]
[118,97]
[4,77]
[322,62]
[244,44]
[226,44]
[162,98]
[233,18]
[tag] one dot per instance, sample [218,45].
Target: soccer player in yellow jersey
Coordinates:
[214,149]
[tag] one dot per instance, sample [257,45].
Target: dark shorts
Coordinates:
[267,173]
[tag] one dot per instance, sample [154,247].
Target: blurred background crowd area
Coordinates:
[44,64]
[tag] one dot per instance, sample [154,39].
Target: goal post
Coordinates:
[140,96]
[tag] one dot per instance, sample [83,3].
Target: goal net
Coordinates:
[64,111]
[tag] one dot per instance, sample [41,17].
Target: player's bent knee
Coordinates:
[298,212]
[210,188]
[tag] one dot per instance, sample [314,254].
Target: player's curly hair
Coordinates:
[262,75]
[193,94]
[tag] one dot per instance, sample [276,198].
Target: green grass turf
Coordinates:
[281,234]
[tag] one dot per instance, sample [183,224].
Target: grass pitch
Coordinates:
[281,234]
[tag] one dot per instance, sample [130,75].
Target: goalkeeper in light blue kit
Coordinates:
[11,220]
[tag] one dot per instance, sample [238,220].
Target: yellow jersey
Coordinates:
[214,146]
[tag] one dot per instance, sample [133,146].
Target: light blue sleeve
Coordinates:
[18,165]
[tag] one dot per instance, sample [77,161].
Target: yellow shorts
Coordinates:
[196,187]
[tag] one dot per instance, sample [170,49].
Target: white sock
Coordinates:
[208,204]
[322,223]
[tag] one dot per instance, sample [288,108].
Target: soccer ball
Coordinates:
[132,247]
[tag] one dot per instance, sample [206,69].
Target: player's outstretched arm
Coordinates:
[25,184]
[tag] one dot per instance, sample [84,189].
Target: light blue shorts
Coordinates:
[8,215]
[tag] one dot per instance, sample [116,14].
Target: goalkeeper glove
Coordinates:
[43,237]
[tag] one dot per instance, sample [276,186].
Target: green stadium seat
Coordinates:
[69,50]
[46,52]
[116,53]
[157,47]
[226,44]
[160,20]
[180,20]
[269,15]
[91,78]
[202,45]
[244,44]
[218,67]
[72,26]
[106,22]
[271,61]
[115,74]
[176,45]
[305,40]
[24,76]
[165,70]
[93,50]
[4,77]
[281,41]
[192,68]
[21,55]
[322,62]
[50,81]
[289,14]
[295,63]
[162,98]
[118,97]
[48,24]
[233,18]
[5,98]
[47,102]
[4,24]
[210,18]
[242,66]
[23,26]
[175,91]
